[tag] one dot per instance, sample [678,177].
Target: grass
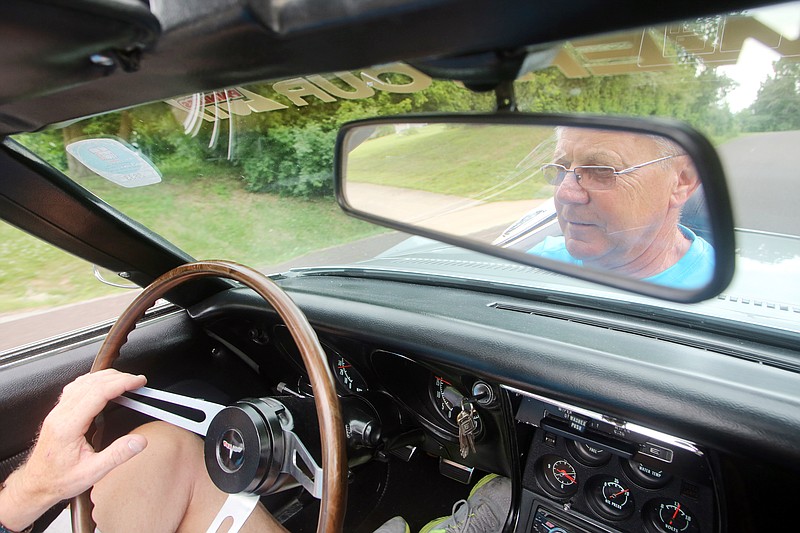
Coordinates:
[34,274]
[467,161]
[210,216]
[205,210]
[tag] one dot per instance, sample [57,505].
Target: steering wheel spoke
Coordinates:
[296,460]
[237,507]
[205,411]
[301,465]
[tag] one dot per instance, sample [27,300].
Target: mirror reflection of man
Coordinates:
[618,200]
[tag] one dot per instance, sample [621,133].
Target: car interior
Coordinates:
[605,415]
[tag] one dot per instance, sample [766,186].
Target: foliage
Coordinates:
[290,151]
[289,161]
[686,92]
[48,144]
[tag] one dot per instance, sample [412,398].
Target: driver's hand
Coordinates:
[62,463]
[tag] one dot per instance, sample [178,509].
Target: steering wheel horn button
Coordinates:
[241,447]
[230,451]
[251,448]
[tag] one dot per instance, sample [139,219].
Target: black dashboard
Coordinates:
[581,470]
[601,430]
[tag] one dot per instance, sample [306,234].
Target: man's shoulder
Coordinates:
[553,248]
[695,269]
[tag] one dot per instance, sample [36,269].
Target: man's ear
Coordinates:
[686,184]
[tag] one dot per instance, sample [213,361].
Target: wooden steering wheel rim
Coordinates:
[334,457]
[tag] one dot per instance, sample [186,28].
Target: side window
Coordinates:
[46,292]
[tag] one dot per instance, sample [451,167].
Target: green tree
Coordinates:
[777,106]
[687,91]
[290,152]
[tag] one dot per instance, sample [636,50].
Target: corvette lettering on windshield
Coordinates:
[298,92]
[716,41]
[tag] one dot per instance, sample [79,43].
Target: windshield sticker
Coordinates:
[299,92]
[116,161]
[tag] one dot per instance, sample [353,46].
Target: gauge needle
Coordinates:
[677,510]
[620,492]
[564,472]
[345,366]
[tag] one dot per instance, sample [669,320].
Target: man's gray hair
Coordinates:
[664,145]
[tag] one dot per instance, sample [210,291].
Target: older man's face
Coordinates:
[615,228]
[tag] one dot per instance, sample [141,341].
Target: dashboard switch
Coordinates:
[578,423]
[655,451]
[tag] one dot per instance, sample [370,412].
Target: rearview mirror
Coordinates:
[631,203]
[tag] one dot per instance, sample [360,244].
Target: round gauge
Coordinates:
[646,476]
[348,376]
[447,402]
[610,497]
[588,454]
[668,516]
[560,478]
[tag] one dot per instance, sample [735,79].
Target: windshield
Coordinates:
[245,173]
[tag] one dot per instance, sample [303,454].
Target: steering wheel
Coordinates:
[277,441]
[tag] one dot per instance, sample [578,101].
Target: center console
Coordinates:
[589,472]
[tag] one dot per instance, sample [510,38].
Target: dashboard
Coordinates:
[578,470]
[663,429]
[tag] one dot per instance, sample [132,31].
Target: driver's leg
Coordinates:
[165,488]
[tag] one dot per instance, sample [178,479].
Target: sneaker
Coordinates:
[485,510]
[394,525]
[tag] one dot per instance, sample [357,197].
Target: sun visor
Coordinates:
[52,45]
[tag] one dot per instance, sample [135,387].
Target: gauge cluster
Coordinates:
[414,396]
[433,396]
[348,377]
[587,472]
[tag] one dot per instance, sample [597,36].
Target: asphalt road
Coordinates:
[762,170]
[24,328]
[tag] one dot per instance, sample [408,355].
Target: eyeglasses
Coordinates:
[591,177]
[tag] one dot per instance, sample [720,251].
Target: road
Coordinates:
[24,328]
[762,170]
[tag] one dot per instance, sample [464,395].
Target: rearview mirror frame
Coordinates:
[703,154]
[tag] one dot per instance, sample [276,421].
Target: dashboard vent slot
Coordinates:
[759,303]
[475,265]
[653,330]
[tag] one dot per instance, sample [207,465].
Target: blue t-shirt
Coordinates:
[692,271]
